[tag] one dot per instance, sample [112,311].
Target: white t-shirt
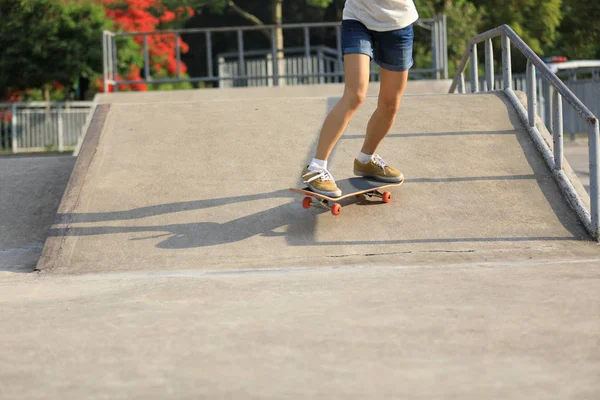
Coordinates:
[382,15]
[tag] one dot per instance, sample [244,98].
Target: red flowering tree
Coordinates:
[148,16]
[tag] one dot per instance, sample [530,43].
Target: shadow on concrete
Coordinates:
[300,223]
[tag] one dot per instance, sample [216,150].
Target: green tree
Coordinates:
[536,21]
[46,43]
[464,21]
[579,31]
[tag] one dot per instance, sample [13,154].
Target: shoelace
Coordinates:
[377,160]
[323,174]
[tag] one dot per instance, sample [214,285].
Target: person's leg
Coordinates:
[356,73]
[392,86]
[358,52]
[394,56]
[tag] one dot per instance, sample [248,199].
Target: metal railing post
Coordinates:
[275,58]
[59,116]
[474,70]
[434,50]
[506,62]
[241,58]
[489,64]
[13,128]
[440,52]
[461,83]
[209,56]
[531,93]
[146,59]
[338,39]
[593,137]
[557,129]
[114,62]
[177,56]
[445,45]
[105,61]
[307,52]
[547,93]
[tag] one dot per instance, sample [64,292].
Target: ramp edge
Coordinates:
[577,199]
[70,200]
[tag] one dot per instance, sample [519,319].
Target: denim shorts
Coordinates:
[392,50]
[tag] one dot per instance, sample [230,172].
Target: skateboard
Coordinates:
[352,187]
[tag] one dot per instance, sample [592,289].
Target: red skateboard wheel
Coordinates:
[336,209]
[387,197]
[306,202]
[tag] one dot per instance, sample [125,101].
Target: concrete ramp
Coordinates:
[202,185]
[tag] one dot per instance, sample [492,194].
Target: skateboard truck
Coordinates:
[308,202]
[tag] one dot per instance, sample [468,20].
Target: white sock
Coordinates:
[364,158]
[317,164]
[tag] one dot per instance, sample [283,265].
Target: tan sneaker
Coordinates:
[321,181]
[377,169]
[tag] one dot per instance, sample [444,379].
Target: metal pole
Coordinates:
[461,83]
[307,52]
[557,130]
[59,114]
[531,93]
[146,59]
[547,89]
[474,70]
[440,52]
[105,61]
[489,64]
[209,56]
[506,62]
[445,45]
[178,56]
[275,59]
[321,66]
[434,50]
[114,64]
[13,126]
[241,59]
[594,172]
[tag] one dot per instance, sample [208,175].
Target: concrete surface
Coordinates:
[198,189]
[31,188]
[325,90]
[183,268]
[504,330]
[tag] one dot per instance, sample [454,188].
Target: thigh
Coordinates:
[356,74]
[394,49]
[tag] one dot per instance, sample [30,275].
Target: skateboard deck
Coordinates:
[351,187]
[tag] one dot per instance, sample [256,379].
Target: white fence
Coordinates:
[299,70]
[39,126]
[322,65]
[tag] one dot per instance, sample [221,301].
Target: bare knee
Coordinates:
[389,106]
[355,98]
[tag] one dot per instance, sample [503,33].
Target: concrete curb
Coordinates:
[70,200]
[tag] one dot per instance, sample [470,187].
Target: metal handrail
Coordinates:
[71,104]
[420,22]
[109,50]
[554,159]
